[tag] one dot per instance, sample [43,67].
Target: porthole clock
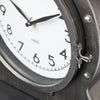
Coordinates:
[39,42]
[42,42]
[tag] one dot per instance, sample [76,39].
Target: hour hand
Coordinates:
[20,10]
[45,18]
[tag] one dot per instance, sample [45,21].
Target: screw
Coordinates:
[88,19]
[87,75]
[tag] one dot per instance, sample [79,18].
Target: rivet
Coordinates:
[87,75]
[88,19]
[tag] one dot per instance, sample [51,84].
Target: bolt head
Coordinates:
[87,75]
[88,19]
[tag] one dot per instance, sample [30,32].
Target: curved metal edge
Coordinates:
[88,95]
[92,34]
[96,7]
[91,8]
[13,71]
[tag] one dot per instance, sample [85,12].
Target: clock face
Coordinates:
[44,47]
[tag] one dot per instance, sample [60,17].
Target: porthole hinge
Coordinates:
[87,58]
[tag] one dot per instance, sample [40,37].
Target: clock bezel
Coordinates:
[25,74]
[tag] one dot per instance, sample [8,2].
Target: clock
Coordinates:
[41,42]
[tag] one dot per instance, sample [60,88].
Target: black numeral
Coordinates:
[3,9]
[68,41]
[21,45]
[63,53]
[61,17]
[9,30]
[66,30]
[51,58]
[36,59]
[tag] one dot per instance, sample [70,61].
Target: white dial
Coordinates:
[43,47]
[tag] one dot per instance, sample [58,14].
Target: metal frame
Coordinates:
[87,76]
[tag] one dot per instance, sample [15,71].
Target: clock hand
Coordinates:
[41,19]
[20,11]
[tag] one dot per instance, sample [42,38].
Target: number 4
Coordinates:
[63,53]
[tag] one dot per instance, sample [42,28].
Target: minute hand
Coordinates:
[41,19]
[20,10]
